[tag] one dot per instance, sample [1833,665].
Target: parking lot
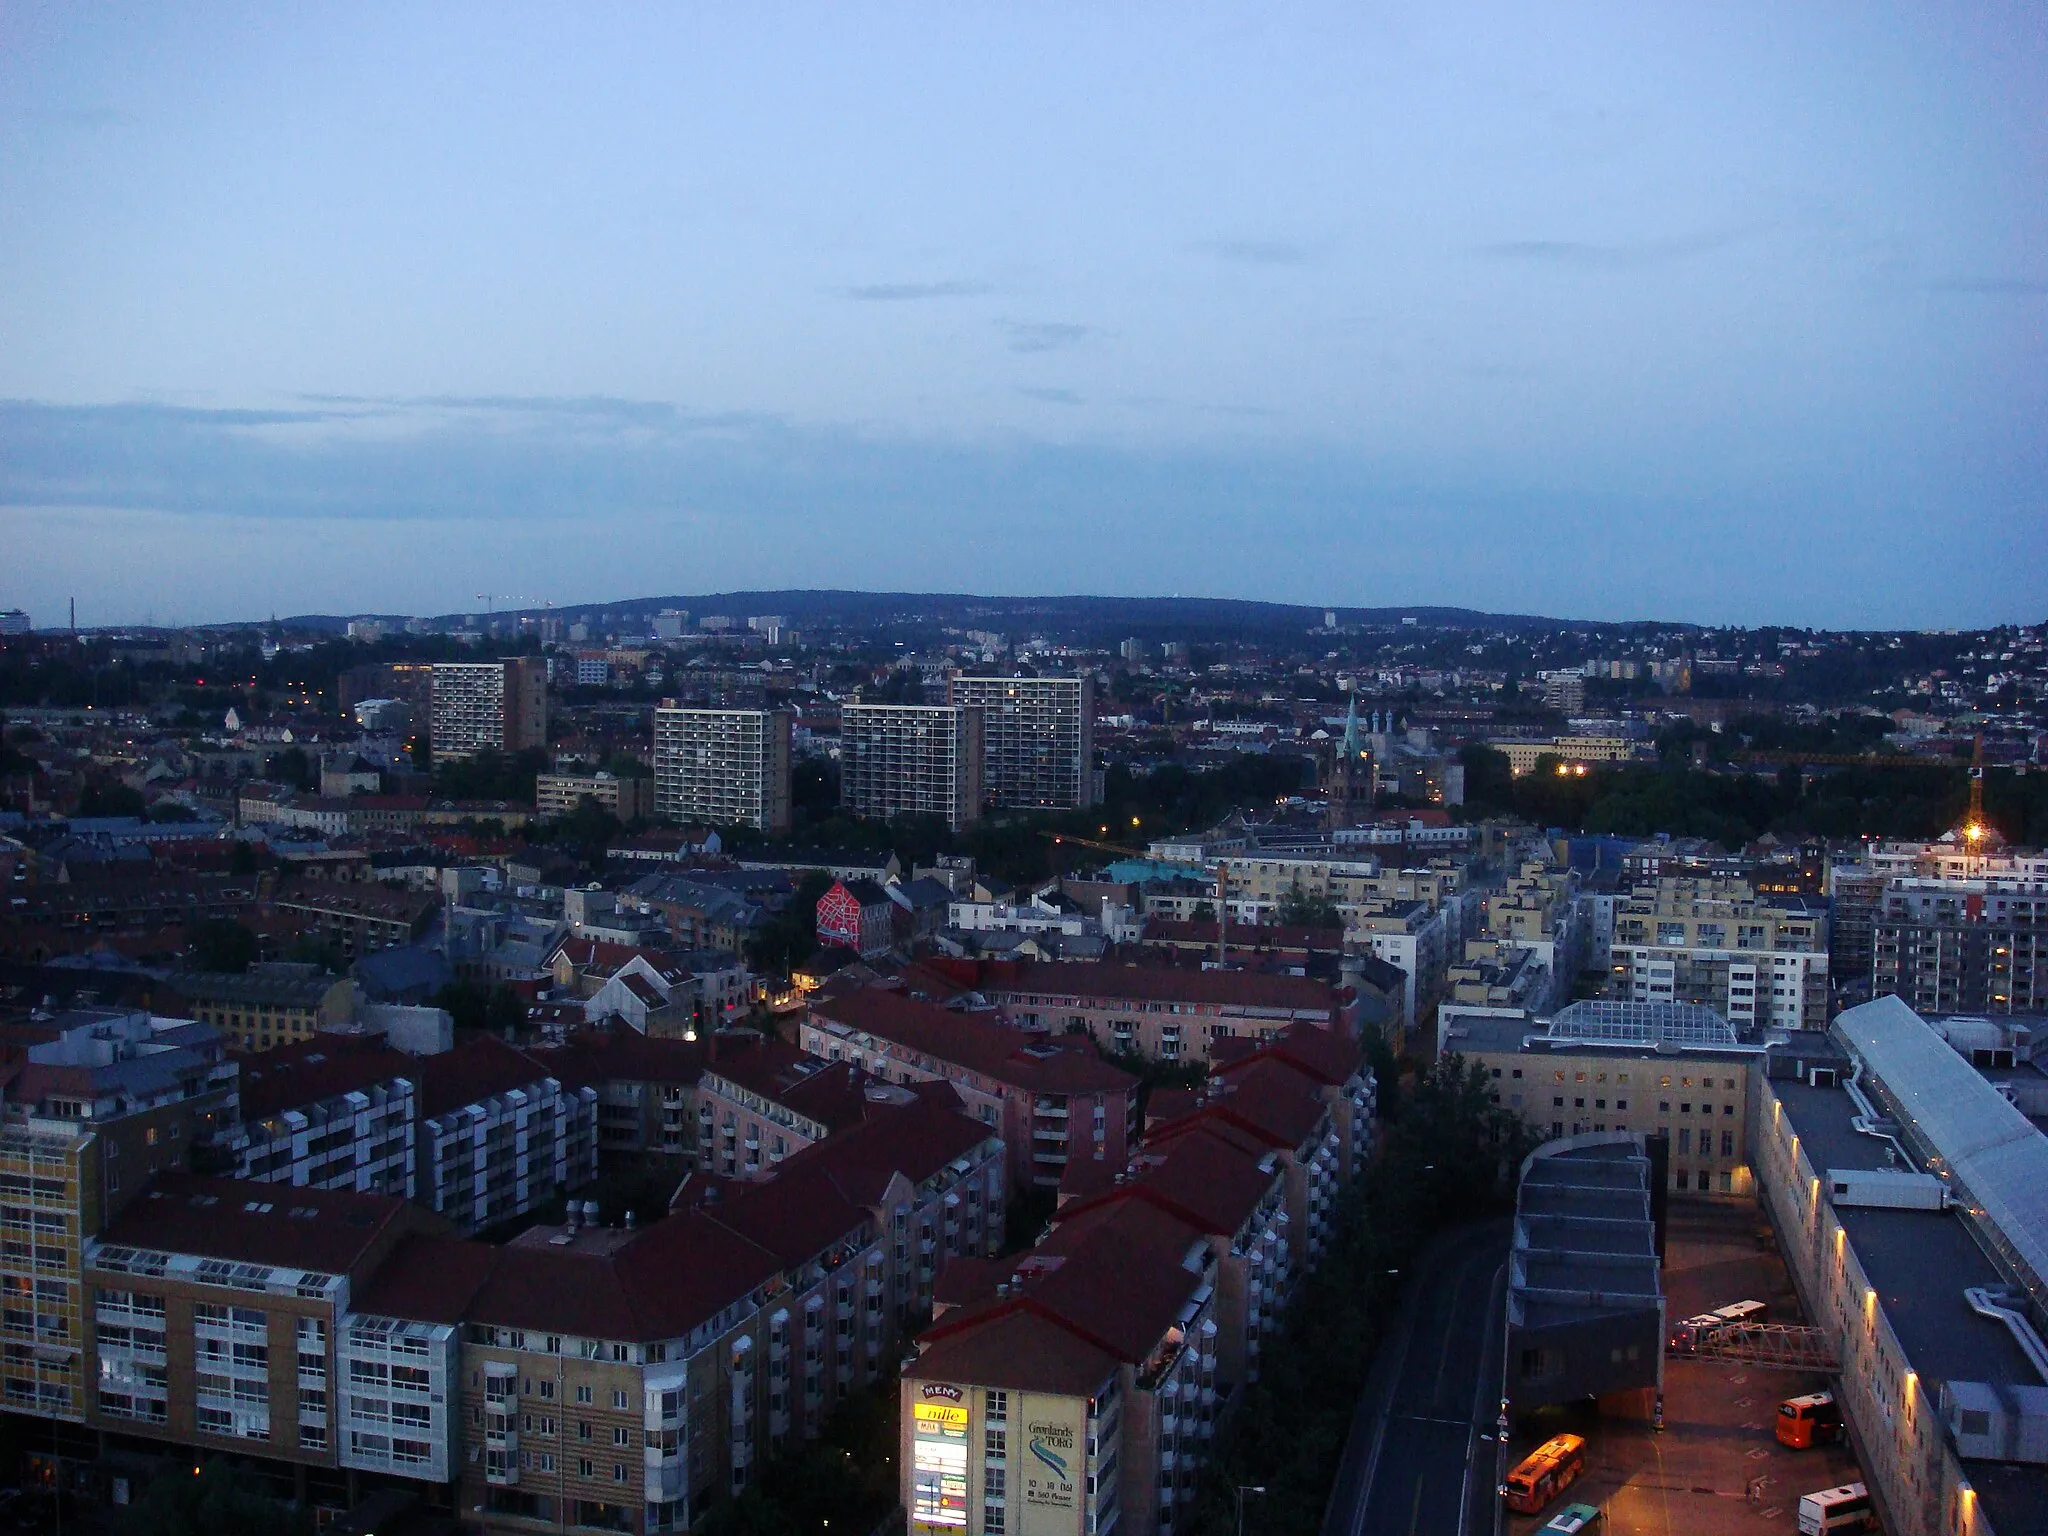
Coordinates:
[1717,1468]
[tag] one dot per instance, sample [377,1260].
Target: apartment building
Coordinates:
[356,918]
[335,1112]
[216,1311]
[911,760]
[50,1203]
[646,1092]
[278,1003]
[1038,736]
[1053,1101]
[1714,942]
[623,1379]
[722,767]
[90,1116]
[489,706]
[1961,945]
[761,1102]
[557,794]
[1674,1070]
[1079,1387]
[1170,1013]
[497,1136]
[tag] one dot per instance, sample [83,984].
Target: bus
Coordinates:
[1804,1422]
[1544,1473]
[1846,1508]
[1689,1335]
[1737,1312]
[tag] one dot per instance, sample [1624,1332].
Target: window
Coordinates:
[583,1429]
[585,1467]
[1727,1145]
[1684,1179]
[618,1397]
[622,1436]
[995,1444]
[583,1394]
[618,1471]
[1684,1145]
[1557,1102]
[1621,1103]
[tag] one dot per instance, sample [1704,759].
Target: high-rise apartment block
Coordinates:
[911,760]
[722,767]
[1954,926]
[489,706]
[1038,735]
[1759,961]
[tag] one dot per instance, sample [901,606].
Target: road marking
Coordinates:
[1415,1511]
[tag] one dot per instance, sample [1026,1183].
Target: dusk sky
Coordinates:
[1721,313]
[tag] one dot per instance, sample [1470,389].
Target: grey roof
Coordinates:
[1998,1157]
[1921,1262]
[1584,1243]
[300,986]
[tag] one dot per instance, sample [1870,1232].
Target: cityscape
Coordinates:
[1043,773]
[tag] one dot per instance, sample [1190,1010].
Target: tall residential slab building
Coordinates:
[489,706]
[722,767]
[1038,738]
[911,760]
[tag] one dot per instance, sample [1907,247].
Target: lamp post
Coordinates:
[1242,1490]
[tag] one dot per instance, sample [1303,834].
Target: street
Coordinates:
[1414,1464]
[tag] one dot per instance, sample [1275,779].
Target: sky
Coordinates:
[1731,313]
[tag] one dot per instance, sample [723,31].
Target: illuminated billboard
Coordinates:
[1049,1465]
[938,1450]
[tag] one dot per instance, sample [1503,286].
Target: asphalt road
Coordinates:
[1415,1465]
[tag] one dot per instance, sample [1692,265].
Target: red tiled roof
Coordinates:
[431,1278]
[664,1281]
[308,1071]
[1020,1350]
[1037,1062]
[1326,1055]
[251,1223]
[592,1056]
[1276,1103]
[477,1068]
[1200,1178]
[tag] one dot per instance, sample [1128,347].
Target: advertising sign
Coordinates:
[1049,1464]
[938,1448]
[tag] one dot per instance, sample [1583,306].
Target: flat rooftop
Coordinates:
[1921,1262]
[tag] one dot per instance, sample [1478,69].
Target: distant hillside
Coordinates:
[1148,618]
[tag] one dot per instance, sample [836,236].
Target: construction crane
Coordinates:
[1222,881]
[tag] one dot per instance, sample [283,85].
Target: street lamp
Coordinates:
[1242,1490]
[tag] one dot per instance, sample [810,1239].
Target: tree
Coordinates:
[1298,910]
[222,944]
[294,767]
[107,797]
[217,1498]
[791,937]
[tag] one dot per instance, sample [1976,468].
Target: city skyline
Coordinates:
[1721,318]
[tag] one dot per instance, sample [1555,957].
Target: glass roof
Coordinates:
[1674,1024]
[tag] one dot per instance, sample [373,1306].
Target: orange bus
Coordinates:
[1544,1473]
[1804,1422]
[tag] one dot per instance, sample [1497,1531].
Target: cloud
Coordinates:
[1594,256]
[1050,396]
[896,293]
[1043,335]
[1256,253]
